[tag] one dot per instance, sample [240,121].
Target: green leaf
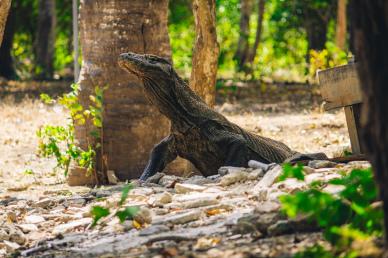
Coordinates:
[127,213]
[98,213]
[290,171]
[124,193]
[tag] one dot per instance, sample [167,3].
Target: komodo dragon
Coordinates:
[198,133]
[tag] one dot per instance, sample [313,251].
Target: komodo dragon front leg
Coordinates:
[162,154]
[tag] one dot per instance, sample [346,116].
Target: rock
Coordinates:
[11,216]
[11,246]
[34,219]
[231,178]
[320,176]
[228,170]
[256,174]
[199,180]
[3,234]
[160,199]
[260,165]
[153,230]
[143,216]
[269,178]
[180,218]
[112,179]
[75,201]
[333,189]
[283,227]
[16,235]
[170,181]
[321,164]
[268,206]
[155,178]
[44,203]
[308,170]
[27,228]
[65,228]
[18,187]
[187,188]
[290,185]
[201,202]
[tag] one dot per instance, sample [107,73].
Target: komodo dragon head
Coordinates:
[162,85]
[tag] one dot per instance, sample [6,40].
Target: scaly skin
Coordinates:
[198,133]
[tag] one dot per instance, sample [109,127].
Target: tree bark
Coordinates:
[316,33]
[131,125]
[7,69]
[259,29]
[370,24]
[206,50]
[45,40]
[341,24]
[242,51]
[4,8]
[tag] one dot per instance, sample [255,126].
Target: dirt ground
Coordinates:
[296,119]
[300,123]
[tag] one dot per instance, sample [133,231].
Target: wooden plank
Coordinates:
[340,86]
[352,114]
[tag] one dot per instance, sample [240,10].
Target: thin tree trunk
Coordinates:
[370,23]
[131,125]
[341,24]
[45,40]
[4,8]
[7,69]
[259,29]
[206,50]
[242,51]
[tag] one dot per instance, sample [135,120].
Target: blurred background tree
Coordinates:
[278,40]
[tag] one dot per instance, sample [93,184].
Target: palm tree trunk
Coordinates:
[131,125]
[206,50]
[4,8]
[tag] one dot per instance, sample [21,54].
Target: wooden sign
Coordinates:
[340,86]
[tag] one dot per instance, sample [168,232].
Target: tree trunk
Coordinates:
[259,29]
[4,8]
[131,125]
[206,50]
[7,69]
[316,31]
[341,24]
[242,51]
[370,23]
[45,40]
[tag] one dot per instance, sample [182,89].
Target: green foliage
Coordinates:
[348,217]
[59,141]
[123,213]
[292,171]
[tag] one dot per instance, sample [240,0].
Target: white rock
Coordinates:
[321,164]
[234,177]
[34,219]
[182,218]
[65,228]
[44,203]
[333,189]
[269,178]
[11,246]
[27,228]
[186,188]
[290,185]
[228,170]
[201,202]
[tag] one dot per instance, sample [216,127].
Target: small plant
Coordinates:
[99,212]
[351,216]
[59,141]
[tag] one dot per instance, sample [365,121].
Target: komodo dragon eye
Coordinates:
[157,59]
